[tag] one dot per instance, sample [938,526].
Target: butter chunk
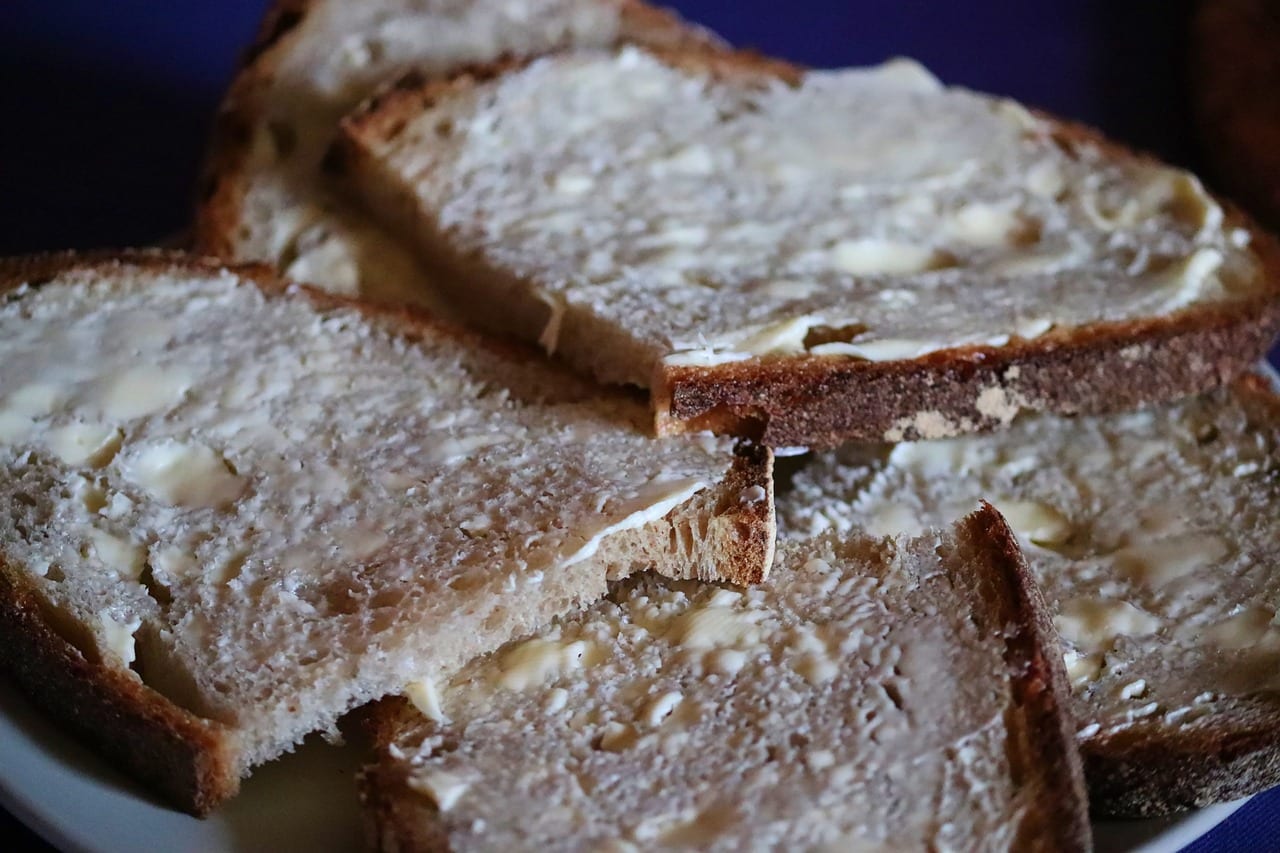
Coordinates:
[184,474]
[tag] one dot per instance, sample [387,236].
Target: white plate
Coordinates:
[302,802]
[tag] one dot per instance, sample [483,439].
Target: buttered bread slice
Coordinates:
[265,197]
[1155,537]
[873,695]
[814,256]
[234,510]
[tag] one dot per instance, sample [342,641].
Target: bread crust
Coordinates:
[193,762]
[1042,748]
[821,402]
[824,401]
[1145,772]
[394,820]
[226,175]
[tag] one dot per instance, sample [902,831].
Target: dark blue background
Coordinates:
[106,103]
[105,106]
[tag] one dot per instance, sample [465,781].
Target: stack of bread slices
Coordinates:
[464,412]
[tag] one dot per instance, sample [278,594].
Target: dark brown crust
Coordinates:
[395,821]
[1146,772]
[1235,63]
[1106,367]
[749,527]
[1042,749]
[225,177]
[191,761]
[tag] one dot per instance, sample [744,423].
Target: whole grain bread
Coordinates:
[235,509]
[813,257]
[874,694]
[263,196]
[1155,537]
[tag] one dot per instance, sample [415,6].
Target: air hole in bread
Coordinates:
[1206,434]
[1028,232]
[55,573]
[69,628]
[382,619]
[289,252]
[895,695]
[819,335]
[798,741]
[444,128]
[154,588]
[160,672]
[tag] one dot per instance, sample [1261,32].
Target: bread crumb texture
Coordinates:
[697,218]
[274,511]
[848,702]
[1153,535]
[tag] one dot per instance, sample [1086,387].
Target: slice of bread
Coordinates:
[264,198]
[235,510]
[874,695]
[1155,537]
[813,257]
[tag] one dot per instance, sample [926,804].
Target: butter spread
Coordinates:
[1036,521]
[533,663]
[799,694]
[649,503]
[440,786]
[425,696]
[224,464]
[1147,531]
[755,217]
[117,637]
[185,474]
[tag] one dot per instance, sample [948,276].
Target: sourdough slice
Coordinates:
[1155,537]
[875,694]
[264,197]
[813,257]
[236,510]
